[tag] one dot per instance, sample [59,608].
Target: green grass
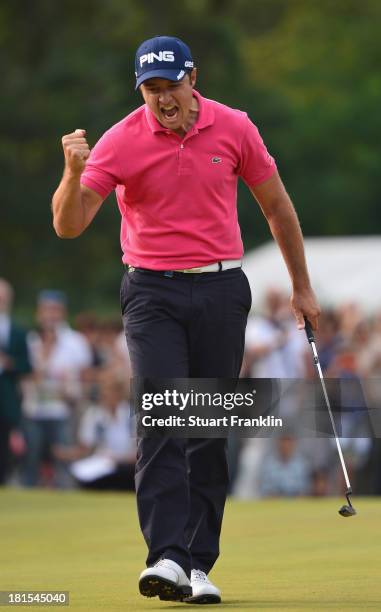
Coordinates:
[275,555]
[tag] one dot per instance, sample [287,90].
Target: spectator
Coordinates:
[265,338]
[349,315]
[328,340]
[321,457]
[367,348]
[59,356]
[52,313]
[250,462]
[106,440]
[14,363]
[286,471]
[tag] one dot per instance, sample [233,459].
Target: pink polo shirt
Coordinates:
[178,197]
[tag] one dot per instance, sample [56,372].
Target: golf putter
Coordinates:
[347,509]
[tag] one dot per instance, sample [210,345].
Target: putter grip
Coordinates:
[308,330]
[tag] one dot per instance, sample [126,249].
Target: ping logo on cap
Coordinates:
[162,56]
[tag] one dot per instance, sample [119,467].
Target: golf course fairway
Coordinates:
[288,554]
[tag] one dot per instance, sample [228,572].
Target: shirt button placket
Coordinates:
[180,157]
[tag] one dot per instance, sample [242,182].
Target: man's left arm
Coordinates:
[280,214]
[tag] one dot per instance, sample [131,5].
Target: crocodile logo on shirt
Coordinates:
[216,160]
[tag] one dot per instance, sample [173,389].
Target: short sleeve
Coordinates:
[256,164]
[102,172]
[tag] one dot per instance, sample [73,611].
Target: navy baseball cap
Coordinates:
[165,57]
[52,295]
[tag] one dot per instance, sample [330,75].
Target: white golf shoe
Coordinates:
[203,591]
[166,580]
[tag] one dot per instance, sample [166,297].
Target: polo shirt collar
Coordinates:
[204,119]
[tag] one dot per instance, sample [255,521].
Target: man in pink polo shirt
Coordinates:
[174,164]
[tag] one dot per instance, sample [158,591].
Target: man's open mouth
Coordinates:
[170,113]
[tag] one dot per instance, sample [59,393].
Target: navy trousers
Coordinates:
[180,326]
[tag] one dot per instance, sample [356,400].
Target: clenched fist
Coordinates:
[76,151]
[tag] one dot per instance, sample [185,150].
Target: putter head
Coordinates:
[347,510]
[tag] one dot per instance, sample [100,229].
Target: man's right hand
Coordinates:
[74,205]
[76,151]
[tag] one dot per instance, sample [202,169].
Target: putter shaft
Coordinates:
[318,367]
[311,340]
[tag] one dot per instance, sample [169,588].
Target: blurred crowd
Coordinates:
[66,418]
[64,399]
[289,462]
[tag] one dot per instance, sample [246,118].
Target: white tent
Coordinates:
[342,269]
